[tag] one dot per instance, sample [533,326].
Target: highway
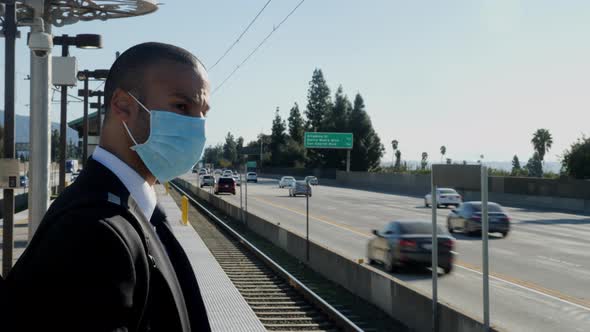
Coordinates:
[540,273]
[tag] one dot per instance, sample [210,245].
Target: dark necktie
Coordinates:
[184,271]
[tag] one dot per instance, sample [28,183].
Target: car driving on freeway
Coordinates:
[286,181]
[251,177]
[237,179]
[404,243]
[207,180]
[311,180]
[299,188]
[467,219]
[444,197]
[225,185]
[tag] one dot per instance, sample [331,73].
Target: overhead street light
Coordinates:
[83,41]
[85,75]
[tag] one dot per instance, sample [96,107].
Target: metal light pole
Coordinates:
[434,257]
[484,243]
[84,41]
[98,107]
[10,32]
[85,123]
[40,128]
[85,75]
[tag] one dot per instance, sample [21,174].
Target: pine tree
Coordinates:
[367,148]
[337,120]
[55,145]
[239,150]
[516,169]
[296,124]
[318,100]
[278,139]
[230,152]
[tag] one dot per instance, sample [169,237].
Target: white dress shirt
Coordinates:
[143,194]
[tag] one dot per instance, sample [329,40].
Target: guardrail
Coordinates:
[311,296]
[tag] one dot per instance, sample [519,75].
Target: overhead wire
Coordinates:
[257,47]
[241,35]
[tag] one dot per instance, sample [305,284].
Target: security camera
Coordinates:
[40,43]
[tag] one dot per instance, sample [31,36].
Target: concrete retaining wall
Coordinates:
[568,195]
[398,299]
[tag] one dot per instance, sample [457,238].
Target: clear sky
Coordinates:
[477,76]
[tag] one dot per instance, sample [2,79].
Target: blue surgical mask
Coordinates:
[175,143]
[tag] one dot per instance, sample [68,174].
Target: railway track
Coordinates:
[280,301]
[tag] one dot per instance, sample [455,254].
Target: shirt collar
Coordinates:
[143,194]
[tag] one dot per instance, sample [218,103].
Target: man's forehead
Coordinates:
[179,76]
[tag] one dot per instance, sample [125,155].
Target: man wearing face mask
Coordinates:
[104,257]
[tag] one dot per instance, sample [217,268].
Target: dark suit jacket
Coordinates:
[87,267]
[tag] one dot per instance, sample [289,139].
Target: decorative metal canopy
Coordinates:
[64,12]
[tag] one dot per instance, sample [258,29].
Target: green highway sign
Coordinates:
[251,164]
[314,140]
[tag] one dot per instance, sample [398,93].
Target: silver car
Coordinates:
[300,188]
[311,180]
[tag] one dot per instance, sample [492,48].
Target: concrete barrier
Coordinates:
[395,297]
[566,195]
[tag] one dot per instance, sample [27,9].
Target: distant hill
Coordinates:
[21,129]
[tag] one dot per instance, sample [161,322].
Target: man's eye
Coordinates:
[182,107]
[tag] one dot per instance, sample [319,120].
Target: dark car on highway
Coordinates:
[225,185]
[406,243]
[467,219]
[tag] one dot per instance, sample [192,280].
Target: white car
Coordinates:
[227,173]
[286,181]
[444,197]
[237,179]
[251,177]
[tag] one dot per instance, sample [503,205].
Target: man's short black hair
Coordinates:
[128,70]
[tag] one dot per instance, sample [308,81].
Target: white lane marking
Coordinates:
[555,260]
[528,289]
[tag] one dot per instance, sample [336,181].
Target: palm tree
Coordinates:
[424,160]
[394,144]
[443,151]
[542,141]
[398,157]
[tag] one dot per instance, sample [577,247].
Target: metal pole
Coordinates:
[86,124]
[9,93]
[98,115]
[347,161]
[241,205]
[40,135]
[307,225]
[485,258]
[63,125]
[246,195]
[434,257]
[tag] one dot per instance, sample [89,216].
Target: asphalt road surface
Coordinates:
[540,273]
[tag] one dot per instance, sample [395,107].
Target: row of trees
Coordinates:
[284,147]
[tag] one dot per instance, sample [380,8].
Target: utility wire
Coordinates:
[72,96]
[257,47]
[241,35]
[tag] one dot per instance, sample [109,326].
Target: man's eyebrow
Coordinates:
[188,99]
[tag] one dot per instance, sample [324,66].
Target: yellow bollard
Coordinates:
[167,188]
[184,210]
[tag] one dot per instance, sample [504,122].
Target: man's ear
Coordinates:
[123,106]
